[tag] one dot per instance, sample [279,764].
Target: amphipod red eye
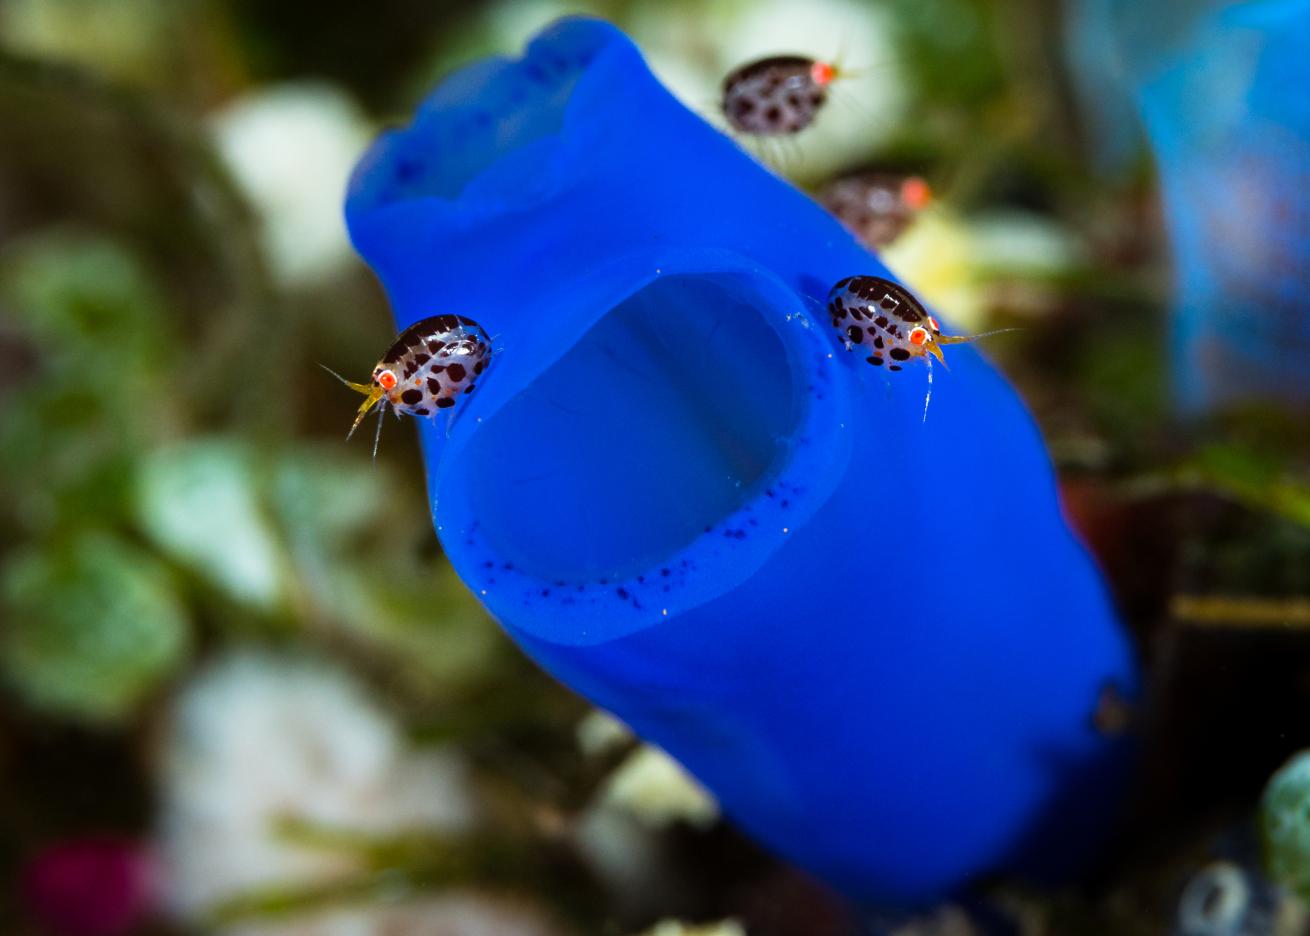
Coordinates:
[933,322]
[915,193]
[918,335]
[823,73]
[386,380]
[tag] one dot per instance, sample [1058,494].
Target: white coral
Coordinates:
[256,740]
[678,928]
[658,790]
[447,915]
[291,149]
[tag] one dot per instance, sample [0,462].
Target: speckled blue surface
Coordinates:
[873,638]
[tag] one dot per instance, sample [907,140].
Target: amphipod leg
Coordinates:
[927,397]
[377,436]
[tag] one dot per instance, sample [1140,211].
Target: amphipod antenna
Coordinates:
[371,393]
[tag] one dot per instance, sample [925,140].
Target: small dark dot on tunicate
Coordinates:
[666,572]
[785,504]
[622,593]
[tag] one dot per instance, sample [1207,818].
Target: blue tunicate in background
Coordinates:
[1221,91]
[873,638]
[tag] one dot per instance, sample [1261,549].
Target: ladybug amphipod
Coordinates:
[886,319]
[876,207]
[777,96]
[426,369]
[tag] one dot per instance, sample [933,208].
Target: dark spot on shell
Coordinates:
[446,402]
[900,354]
[411,397]
[456,371]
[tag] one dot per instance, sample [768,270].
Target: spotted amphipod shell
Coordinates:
[776,96]
[434,361]
[879,316]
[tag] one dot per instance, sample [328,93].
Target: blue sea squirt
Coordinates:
[873,638]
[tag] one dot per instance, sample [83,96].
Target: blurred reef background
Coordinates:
[241,691]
